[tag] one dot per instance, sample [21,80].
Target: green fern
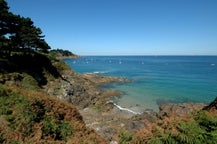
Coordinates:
[125,137]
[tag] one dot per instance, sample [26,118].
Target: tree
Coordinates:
[6,20]
[28,36]
[19,33]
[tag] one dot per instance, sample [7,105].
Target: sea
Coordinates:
[155,80]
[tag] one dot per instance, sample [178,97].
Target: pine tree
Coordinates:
[18,33]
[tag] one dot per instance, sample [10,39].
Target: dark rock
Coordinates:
[179,110]
[151,117]
[82,90]
[107,107]
[212,105]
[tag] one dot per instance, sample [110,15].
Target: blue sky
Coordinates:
[125,27]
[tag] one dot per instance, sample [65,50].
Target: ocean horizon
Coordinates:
[156,80]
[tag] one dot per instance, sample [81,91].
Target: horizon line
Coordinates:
[151,55]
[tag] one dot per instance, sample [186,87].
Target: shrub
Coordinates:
[2,91]
[200,128]
[206,121]
[125,137]
[29,82]
[58,130]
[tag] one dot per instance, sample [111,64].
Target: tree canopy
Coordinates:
[18,33]
[62,52]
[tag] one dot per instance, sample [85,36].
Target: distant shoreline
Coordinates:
[68,57]
[150,55]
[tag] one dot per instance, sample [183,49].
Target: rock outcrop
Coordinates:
[212,106]
[179,110]
[82,90]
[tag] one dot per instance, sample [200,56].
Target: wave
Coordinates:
[100,72]
[97,72]
[124,109]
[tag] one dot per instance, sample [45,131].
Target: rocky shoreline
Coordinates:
[83,90]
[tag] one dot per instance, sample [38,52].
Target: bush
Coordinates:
[206,121]
[29,82]
[58,130]
[125,137]
[200,128]
[3,92]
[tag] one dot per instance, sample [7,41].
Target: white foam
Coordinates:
[100,72]
[124,109]
[97,72]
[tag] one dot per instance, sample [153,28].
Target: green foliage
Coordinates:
[15,107]
[60,66]
[29,82]
[189,133]
[65,130]
[30,71]
[4,102]
[57,129]
[125,137]
[3,6]
[61,52]
[206,121]
[201,129]
[22,115]
[3,91]
[161,136]
[50,127]
[14,142]
[18,33]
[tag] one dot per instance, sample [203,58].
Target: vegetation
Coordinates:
[27,113]
[199,128]
[22,50]
[37,66]
[62,52]
[125,137]
[28,116]
[18,34]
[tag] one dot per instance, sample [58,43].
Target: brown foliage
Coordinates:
[59,112]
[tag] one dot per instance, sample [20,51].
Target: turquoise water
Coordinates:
[155,79]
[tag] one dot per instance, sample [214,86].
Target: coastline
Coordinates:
[100,113]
